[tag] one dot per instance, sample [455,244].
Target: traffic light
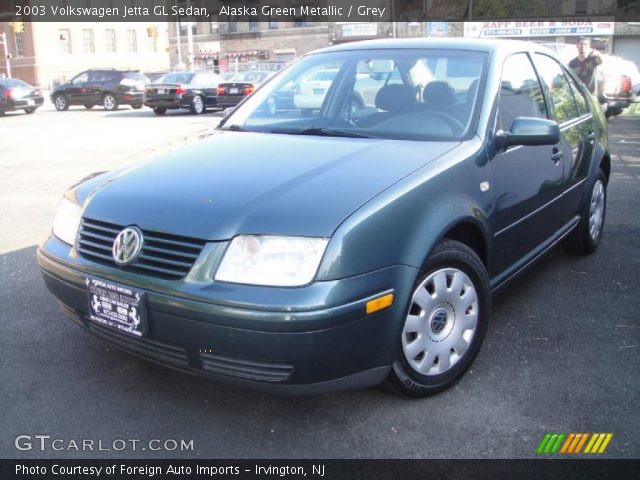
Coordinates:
[17,26]
[152,31]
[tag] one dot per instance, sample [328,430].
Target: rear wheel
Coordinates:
[445,322]
[61,103]
[197,105]
[159,110]
[109,102]
[587,235]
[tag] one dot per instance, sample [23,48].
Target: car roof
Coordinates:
[474,44]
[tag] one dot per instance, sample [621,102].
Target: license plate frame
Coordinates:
[117,306]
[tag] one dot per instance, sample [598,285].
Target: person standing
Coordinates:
[585,63]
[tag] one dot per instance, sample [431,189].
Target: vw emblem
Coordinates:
[127,246]
[438,321]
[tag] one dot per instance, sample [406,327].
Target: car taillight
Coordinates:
[7,93]
[37,92]
[625,84]
[180,90]
[248,90]
[220,91]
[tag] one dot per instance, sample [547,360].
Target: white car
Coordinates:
[311,92]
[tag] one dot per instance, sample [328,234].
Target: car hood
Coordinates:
[244,182]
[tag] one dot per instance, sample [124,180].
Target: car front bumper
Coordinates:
[322,341]
[21,103]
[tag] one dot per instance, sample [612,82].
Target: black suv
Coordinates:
[108,87]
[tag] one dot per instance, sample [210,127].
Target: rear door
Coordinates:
[526,179]
[568,106]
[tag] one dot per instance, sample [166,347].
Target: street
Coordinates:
[561,352]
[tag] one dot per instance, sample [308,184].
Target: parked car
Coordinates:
[311,91]
[233,91]
[304,253]
[190,90]
[18,95]
[155,77]
[107,87]
[617,78]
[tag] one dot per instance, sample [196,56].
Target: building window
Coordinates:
[65,40]
[110,40]
[153,44]
[132,41]
[88,41]
[581,6]
[273,24]
[232,27]
[19,44]
[215,28]
[253,24]
[184,25]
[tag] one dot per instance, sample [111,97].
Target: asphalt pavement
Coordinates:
[561,352]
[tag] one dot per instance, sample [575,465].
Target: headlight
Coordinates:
[67,221]
[271,260]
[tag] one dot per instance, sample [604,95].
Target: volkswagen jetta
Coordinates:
[346,245]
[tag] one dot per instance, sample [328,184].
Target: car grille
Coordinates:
[161,352]
[250,369]
[162,255]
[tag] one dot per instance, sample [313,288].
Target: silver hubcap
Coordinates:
[596,210]
[109,102]
[197,104]
[441,323]
[60,102]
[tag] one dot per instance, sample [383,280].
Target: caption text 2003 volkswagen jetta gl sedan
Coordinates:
[348,238]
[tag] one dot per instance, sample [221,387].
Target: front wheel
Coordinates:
[109,102]
[587,235]
[159,110]
[61,103]
[445,322]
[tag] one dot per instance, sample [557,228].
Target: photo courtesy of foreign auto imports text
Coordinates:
[337,239]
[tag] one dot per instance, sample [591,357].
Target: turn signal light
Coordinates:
[248,90]
[380,303]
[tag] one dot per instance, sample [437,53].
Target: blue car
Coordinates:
[351,242]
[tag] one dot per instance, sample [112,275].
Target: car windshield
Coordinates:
[411,94]
[178,77]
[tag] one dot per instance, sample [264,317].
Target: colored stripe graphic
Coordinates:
[573,443]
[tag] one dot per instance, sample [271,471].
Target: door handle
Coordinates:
[557,155]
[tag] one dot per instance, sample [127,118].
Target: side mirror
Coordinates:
[529,131]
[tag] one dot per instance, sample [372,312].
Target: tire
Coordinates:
[109,102]
[61,103]
[29,111]
[197,105]
[586,237]
[440,338]
[159,110]
[136,106]
[88,106]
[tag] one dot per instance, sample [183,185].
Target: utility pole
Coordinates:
[178,39]
[6,54]
[189,41]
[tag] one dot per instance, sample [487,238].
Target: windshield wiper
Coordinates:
[320,131]
[235,128]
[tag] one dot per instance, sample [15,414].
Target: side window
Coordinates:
[557,85]
[520,92]
[581,101]
[82,78]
